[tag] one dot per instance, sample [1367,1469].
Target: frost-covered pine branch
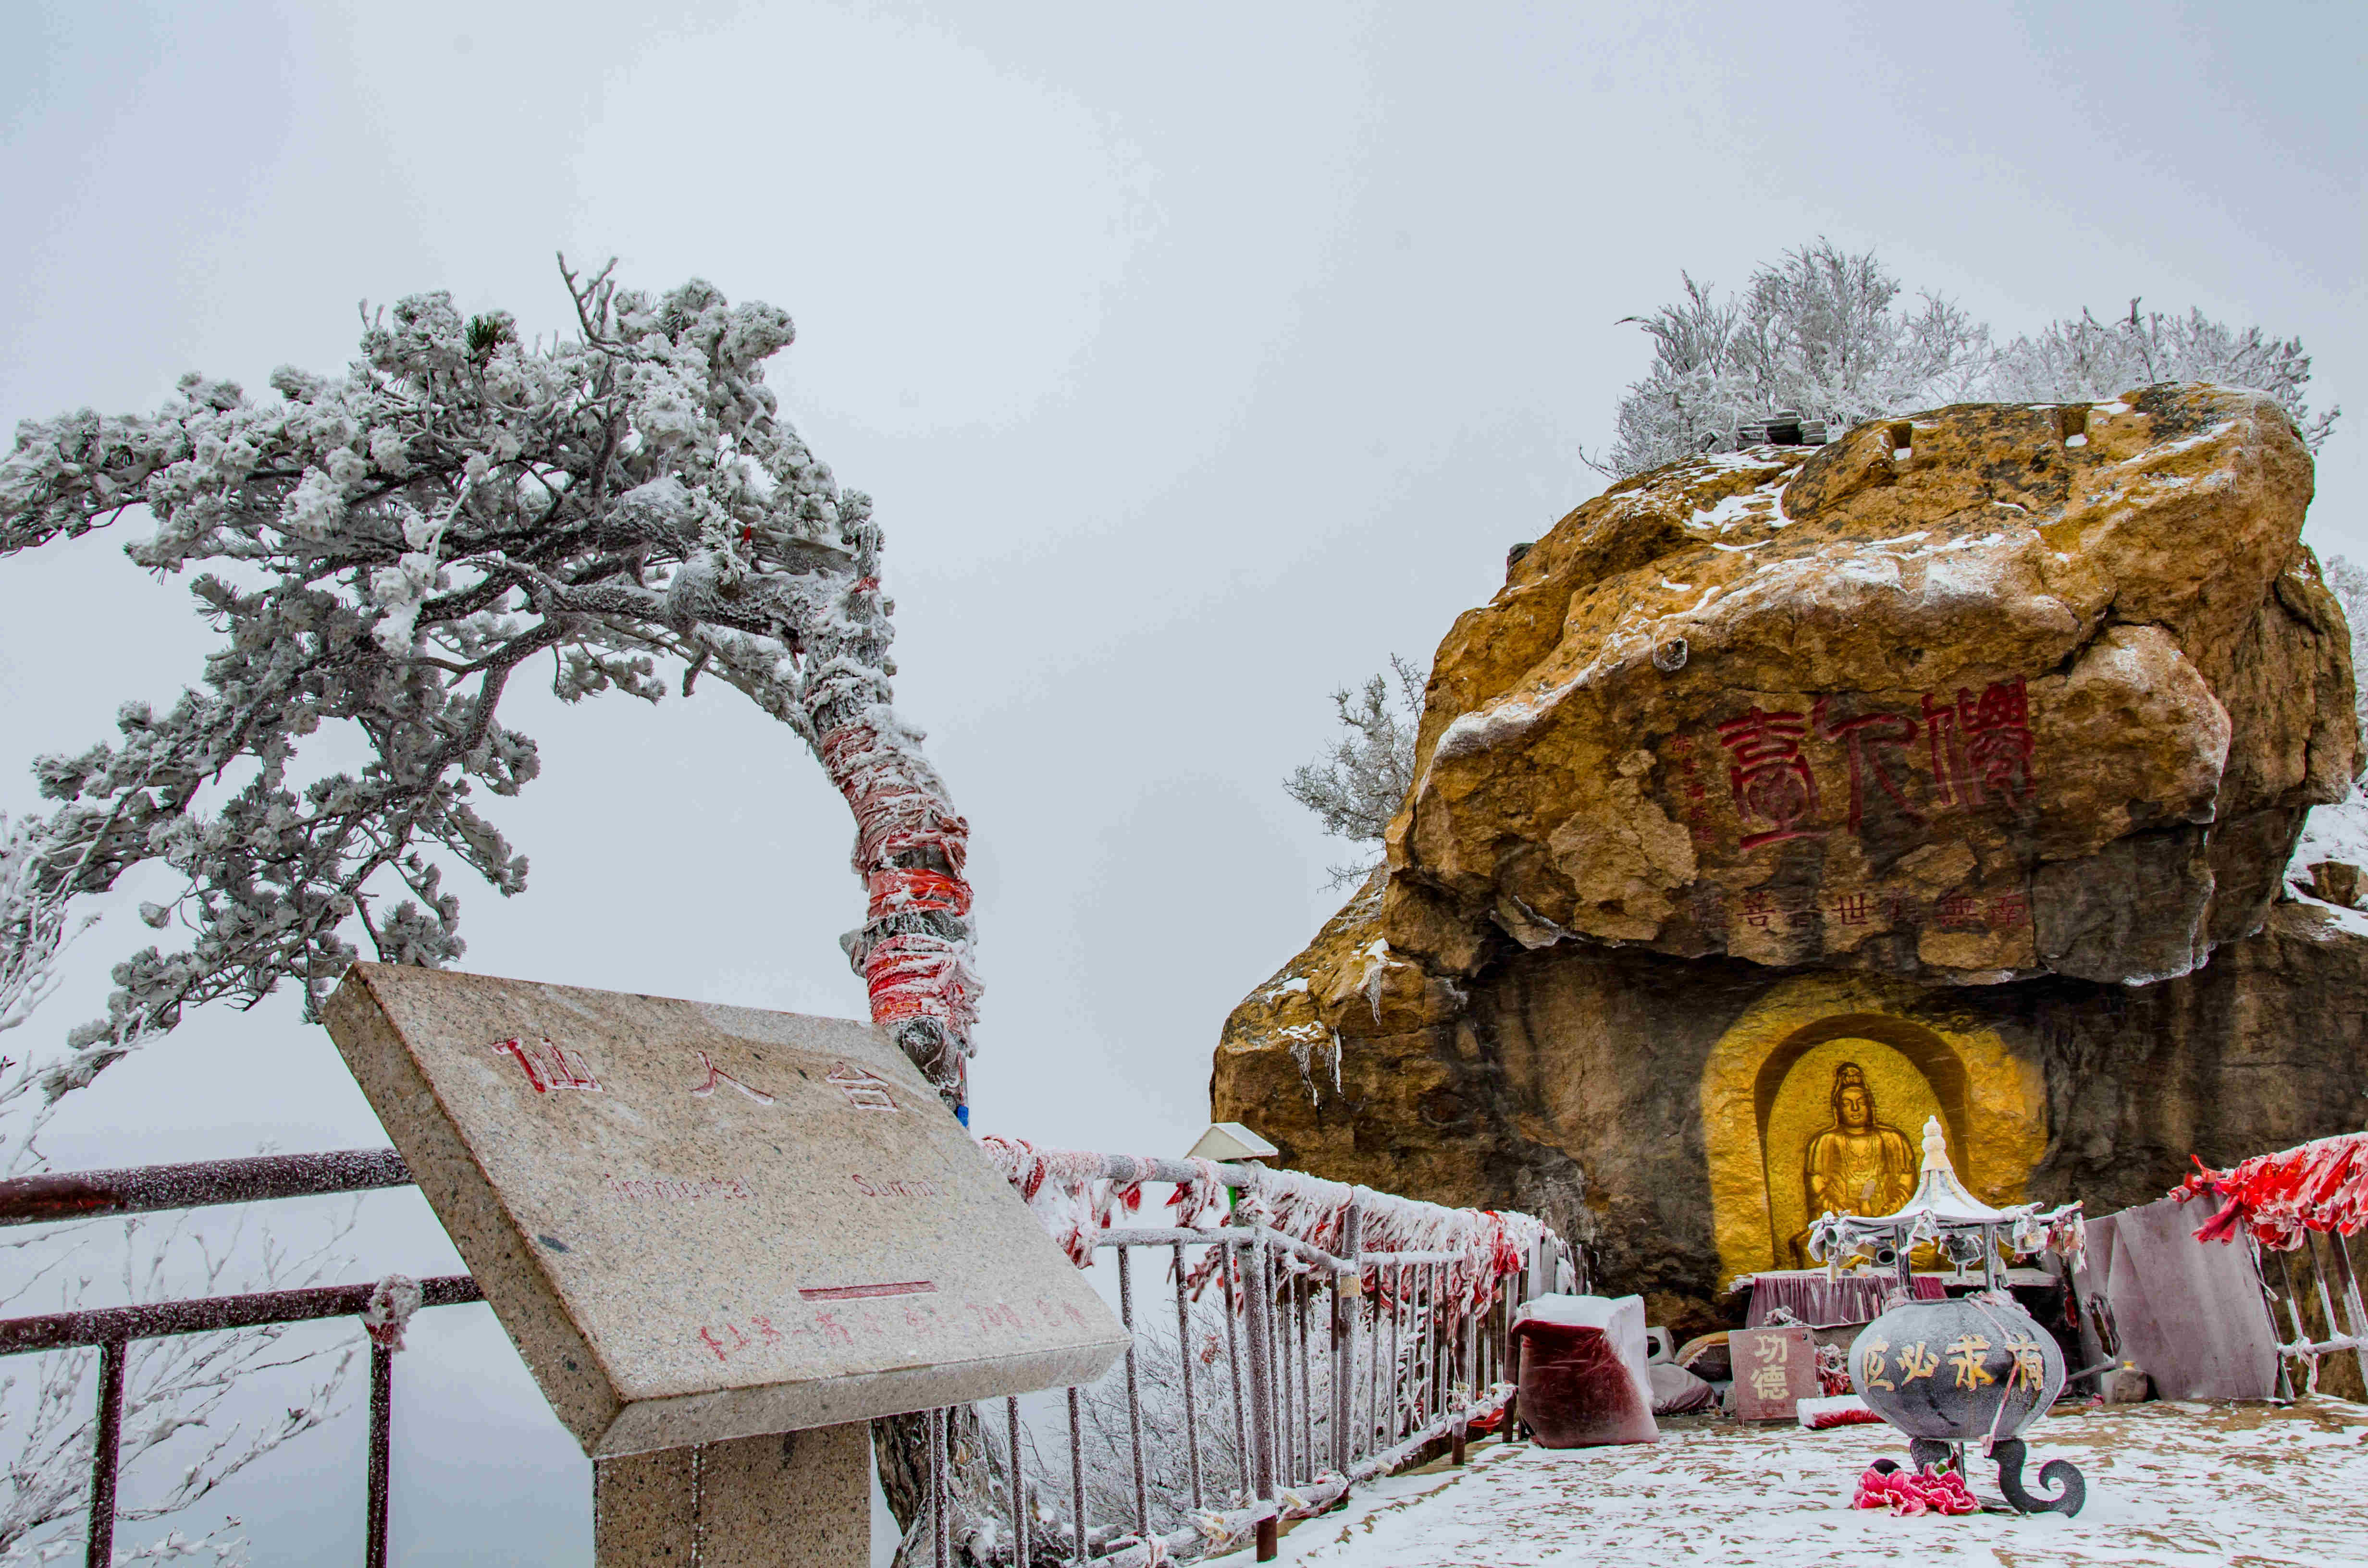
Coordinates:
[174,1388]
[1361,779]
[34,932]
[384,551]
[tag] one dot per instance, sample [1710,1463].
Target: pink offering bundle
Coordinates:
[1909,1492]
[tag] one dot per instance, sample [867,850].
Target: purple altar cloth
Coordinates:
[1829,1304]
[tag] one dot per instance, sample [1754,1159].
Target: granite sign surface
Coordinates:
[699,1223]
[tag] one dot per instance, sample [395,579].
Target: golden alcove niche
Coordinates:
[1770,1086]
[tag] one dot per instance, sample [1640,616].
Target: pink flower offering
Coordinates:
[1908,1494]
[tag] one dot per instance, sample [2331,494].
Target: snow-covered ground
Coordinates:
[2183,1484]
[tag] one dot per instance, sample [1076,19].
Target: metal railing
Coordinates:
[2329,1257]
[40,1199]
[1337,1367]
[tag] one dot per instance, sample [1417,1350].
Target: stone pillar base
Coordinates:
[792,1500]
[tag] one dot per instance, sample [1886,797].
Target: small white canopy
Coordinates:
[1938,1192]
[1231,1140]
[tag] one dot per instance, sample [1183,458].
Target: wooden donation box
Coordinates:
[707,1226]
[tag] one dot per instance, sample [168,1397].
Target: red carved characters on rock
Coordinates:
[1874,742]
[1768,776]
[1980,750]
[715,1075]
[864,1089]
[1981,744]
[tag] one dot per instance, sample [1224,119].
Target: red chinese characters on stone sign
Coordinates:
[864,1089]
[1690,786]
[548,1066]
[728,1339]
[1770,909]
[1871,741]
[718,1076]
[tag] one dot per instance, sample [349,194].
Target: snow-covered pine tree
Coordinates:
[1359,782]
[385,549]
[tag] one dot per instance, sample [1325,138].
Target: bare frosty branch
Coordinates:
[174,1390]
[1359,782]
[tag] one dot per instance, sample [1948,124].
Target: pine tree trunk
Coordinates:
[913,950]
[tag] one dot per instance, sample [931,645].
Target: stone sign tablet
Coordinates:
[701,1222]
[1774,1370]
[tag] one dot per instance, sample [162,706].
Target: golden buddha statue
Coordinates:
[1857,1165]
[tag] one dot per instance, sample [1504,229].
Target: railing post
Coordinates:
[1236,1302]
[1344,1341]
[940,1487]
[1257,1329]
[1391,1386]
[1308,1465]
[1019,1484]
[106,1452]
[2349,1283]
[1512,1361]
[1133,1398]
[1077,1473]
[382,1424]
[1463,1376]
[1286,1443]
[1184,1361]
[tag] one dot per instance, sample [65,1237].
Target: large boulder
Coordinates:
[1951,750]
[1970,696]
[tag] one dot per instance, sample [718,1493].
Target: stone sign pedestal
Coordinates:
[795,1500]
[704,1227]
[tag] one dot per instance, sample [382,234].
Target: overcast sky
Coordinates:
[1198,359]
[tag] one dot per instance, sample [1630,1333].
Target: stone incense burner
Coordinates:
[1977,1368]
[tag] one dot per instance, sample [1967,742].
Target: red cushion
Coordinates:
[1575,1393]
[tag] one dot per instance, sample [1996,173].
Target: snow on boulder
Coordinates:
[1982,693]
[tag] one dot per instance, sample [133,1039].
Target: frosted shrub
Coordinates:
[1826,335]
[1359,782]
